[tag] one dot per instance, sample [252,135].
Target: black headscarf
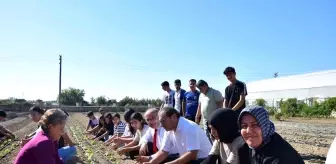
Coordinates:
[224,120]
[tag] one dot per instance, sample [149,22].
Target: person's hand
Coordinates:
[143,149]
[117,140]
[107,143]
[197,121]
[96,139]
[121,151]
[142,159]
[114,146]
[23,142]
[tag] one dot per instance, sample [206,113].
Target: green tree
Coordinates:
[71,96]
[261,102]
[92,101]
[101,100]
[111,102]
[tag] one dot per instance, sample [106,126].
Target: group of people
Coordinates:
[230,133]
[197,105]
[165,136]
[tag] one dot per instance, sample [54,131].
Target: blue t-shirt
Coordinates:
[191,100]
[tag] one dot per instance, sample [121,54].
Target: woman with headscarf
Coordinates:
[266,146]
[224,128]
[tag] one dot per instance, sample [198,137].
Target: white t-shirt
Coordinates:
[140,133]
[168,98]
[127,132]
[187,137]
[331,157]
[227,152]
[149,137]
[177,97]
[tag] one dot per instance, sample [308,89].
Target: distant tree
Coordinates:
[92,101]
[111,102]
[101,100]
[261,102]
[20,101]
[85,103]
[71,96]
[39,101]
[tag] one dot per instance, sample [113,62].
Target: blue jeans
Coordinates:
[67,152]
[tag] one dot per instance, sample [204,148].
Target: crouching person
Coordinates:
[229,147]
[119,128]
[5,133]
[129,132]
[185,136]
[42,148]
[109,128]
[132,148]
[152,141]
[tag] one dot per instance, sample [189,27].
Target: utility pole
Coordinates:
[60,81]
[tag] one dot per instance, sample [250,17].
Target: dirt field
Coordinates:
[311,138]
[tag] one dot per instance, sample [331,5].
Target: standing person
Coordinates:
[185,136]
[235,92]
[178,96]
[168,95]
[209,100]
[190,101]
[266,146]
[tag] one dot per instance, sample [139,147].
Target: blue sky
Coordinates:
[128,47]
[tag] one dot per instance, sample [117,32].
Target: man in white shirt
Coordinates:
[178,96]
[185,136]
[168,95]
[151,142]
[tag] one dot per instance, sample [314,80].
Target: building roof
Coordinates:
[309,80]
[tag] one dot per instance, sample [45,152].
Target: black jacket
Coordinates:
[277,151]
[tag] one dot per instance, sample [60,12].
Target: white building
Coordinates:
[308,87]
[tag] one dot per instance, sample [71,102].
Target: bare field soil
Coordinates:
[311,138]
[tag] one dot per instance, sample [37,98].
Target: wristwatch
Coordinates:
[150,157]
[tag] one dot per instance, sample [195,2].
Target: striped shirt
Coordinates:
[119,129]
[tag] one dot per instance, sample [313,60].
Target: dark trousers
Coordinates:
[197,161]
[136,152]
[171,157]
[191,118]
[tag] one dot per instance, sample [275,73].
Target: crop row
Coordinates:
[8,148]
[92,147]
[5,143]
